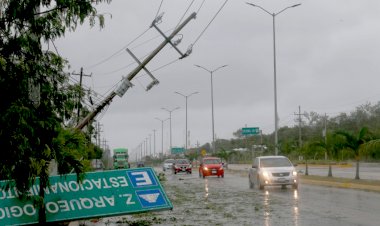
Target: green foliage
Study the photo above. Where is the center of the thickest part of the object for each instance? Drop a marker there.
(36, 97)
(314, 147)
(70, 147)
(224, 154)
(353, 142)
(192, 154)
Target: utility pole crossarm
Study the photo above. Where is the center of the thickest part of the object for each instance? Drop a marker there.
(155, 81)
(126, 81)
(161, 46)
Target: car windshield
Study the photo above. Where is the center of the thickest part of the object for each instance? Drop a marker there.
(181, 161)
(275, 162)
(169, 161)
(211, 161)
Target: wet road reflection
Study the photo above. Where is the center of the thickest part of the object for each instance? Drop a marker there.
(206, 189)
(295, 207)
(230, 201)
(266, 208)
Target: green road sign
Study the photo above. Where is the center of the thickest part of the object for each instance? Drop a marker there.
(178, 150)
(250, 131)
(100, 194)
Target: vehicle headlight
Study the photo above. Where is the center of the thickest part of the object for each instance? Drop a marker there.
(205, 168)
(266, 174)
(294, 173)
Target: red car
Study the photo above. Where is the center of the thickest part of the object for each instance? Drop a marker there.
(211, 166)
(181, 165)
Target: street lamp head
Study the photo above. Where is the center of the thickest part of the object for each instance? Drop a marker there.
(296, 5)
(251, 4)
(169, 110)
(186, 95)
(179, 93)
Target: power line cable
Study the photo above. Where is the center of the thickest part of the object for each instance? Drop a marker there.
(185, 13)
(200, 6)
(159, 68)
(196, 40)
(117, 70)
(159, 8)
(117, 52)
(149, 40)
(134, 62)
(165, 65)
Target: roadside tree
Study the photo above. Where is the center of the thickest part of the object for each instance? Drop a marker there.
(34, 90)
(355, 143)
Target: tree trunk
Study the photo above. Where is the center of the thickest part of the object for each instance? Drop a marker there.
(330, 170)
(357, 169)
(41, 204)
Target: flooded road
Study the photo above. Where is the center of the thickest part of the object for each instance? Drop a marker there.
(229, 201)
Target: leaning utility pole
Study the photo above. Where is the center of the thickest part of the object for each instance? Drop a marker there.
(126, 82)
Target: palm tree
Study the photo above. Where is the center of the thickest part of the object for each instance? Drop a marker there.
(327, 147)
(308, 150)
(225, 155)
(355, 143)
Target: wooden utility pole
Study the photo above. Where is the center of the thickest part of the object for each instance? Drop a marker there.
(126, 81)
(80, 90)
(299, 126)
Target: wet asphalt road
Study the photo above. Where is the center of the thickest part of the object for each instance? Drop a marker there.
(233, 203)
(229, 201)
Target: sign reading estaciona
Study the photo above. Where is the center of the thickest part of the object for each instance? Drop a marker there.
(100, 194)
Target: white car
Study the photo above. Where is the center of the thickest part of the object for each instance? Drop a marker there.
(168, 164)
(272, 170)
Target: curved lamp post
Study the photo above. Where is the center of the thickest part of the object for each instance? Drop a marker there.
(170, 121)
(212, 101)
(274, 69)
(162, 134)
(186, 96)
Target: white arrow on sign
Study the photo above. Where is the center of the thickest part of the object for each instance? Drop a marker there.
(151, 198)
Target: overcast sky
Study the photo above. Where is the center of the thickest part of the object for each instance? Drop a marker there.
(327, 62)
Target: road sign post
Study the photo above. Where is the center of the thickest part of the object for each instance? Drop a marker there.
(250, 131)
(100, 194)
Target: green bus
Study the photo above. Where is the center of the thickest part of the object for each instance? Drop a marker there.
(120, 158)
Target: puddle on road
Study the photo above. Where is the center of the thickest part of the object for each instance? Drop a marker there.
(217, 201)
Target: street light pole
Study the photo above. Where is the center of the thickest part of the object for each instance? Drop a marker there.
(170, 122)
(274, 69)
(162, 134)
(154, 142)
(186, 96)
(212, 101)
